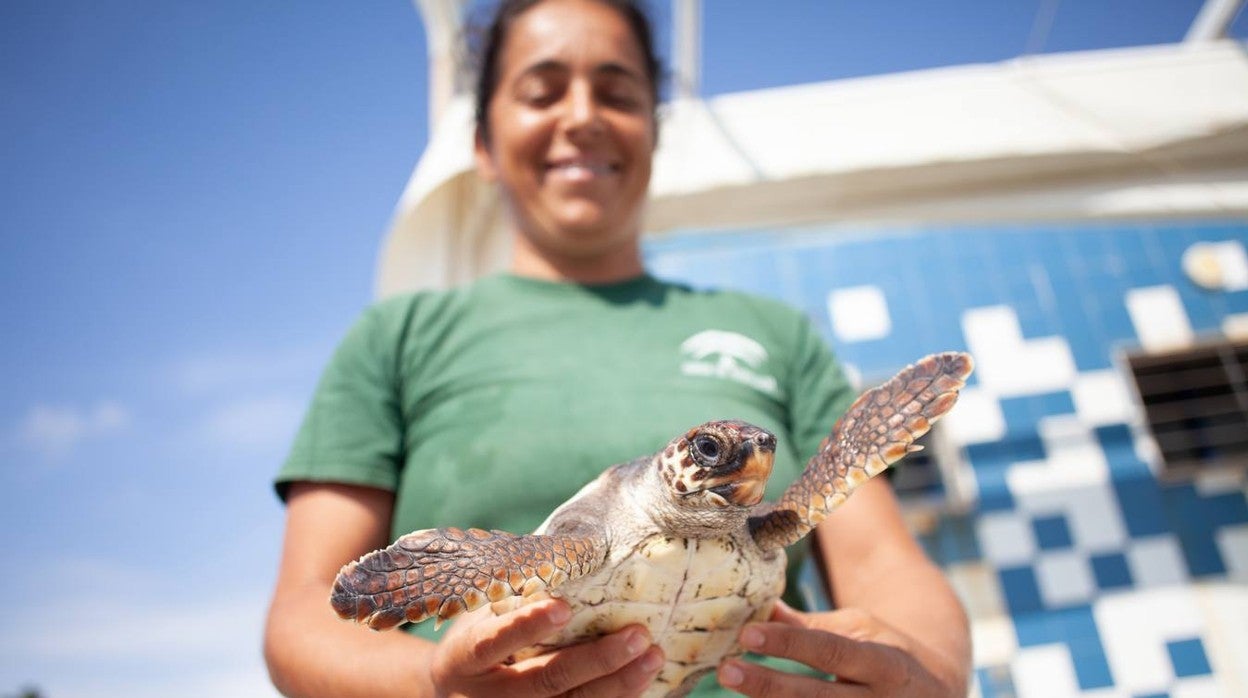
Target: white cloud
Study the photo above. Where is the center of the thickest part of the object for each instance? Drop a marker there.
(210, 682)
(56, 430)
(230, 371)
(254, 423)
(99, 629)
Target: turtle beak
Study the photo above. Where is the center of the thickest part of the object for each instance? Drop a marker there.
(743, 486)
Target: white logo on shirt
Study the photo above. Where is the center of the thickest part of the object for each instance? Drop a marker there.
(730, 355)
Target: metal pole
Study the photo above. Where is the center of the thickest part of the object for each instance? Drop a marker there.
(687, 47)
(444, 22)
(1213, 20)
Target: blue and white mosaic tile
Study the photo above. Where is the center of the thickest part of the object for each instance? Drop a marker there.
(1083, 573)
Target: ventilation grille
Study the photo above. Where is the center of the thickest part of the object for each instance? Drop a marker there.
(1196, 405)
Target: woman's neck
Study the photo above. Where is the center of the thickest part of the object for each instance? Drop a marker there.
(619, 265)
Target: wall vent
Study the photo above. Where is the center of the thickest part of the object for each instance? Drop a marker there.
(1195, 405)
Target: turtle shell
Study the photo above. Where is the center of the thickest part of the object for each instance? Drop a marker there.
(694, 594)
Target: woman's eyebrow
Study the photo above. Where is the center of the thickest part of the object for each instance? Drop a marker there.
(618, 69)
(551, 66)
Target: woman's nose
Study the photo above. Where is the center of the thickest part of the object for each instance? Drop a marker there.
(582, 108)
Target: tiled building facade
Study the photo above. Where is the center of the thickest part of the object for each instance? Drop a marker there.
(1085, 573)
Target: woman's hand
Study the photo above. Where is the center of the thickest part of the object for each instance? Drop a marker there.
(868, 657)
(470, 660)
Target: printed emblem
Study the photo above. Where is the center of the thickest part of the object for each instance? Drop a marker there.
(730, 355)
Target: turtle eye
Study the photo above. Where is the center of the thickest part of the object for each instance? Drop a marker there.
(708, 448)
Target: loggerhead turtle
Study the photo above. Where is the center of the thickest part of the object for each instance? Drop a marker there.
(677, 541)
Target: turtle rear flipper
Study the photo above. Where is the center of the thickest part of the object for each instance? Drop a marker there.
(877, 431)
(443, 572)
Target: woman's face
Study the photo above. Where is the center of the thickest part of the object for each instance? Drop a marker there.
(571, 132)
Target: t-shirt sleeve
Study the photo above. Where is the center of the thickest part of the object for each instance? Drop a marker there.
(821, 391)
(352, 432)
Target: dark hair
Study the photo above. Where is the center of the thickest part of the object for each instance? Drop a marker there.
(506, 13)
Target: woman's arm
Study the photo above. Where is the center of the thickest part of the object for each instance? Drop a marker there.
(898, 630)
(311, 652)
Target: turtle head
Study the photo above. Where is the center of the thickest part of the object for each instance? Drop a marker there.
(717, 465)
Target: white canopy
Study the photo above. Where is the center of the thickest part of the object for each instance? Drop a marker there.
(1159, 131)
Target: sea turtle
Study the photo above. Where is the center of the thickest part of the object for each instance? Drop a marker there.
(678, 541)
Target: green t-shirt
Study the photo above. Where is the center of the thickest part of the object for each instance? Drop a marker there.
(490, 405)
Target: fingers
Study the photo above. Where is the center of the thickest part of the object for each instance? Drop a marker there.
(849, 659)
(615, 664)
(470, 657)
(754, 680)
(493, 639)
(784, 613)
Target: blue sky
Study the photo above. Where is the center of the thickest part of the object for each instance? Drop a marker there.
(193, 198)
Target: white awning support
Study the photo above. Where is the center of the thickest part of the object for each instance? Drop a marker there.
(1213, 20)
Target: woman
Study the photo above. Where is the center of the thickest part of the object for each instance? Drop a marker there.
(487, 406)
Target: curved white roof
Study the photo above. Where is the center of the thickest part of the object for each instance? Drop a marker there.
(1159, 131)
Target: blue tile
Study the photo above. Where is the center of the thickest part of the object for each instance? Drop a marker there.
(1151, 695)
(1115, 323)
(1188, 657)
(1197, 519)
(1061, 625)
(1226, 509)
(1076, 628)
(1142, 506)
(996, 681)
(1111, 571)
(1052, 533)
(1200, 310)
(1022, 443)
(1237, 302)
(1091, 665)
(1118, 444)
(953, 540)
(990, 462)
(1022, 592)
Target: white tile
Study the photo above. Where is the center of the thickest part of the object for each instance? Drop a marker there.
(975, 691)
(1219, 481)
(1159, 318)
(1233, 545)
(1199, 687)
(1095, 519)
(1235, 326)
(859, 313)
(993, 641)
(1065, 578)
(1134, 629)
(1006, 538)
(1045, 671)
(1233, 263)
(977, 418)
(1225, 609)
(1102, 397)
(1218, 266)
(1107, 692)
(1156, 561)
(1073, 458)
(991, 331)
(979, 587)
(1009, 365)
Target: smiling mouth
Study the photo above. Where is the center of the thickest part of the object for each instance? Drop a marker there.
(580, 170)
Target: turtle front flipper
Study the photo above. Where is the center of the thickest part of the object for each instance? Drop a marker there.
(443, 572)
(877, 431)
